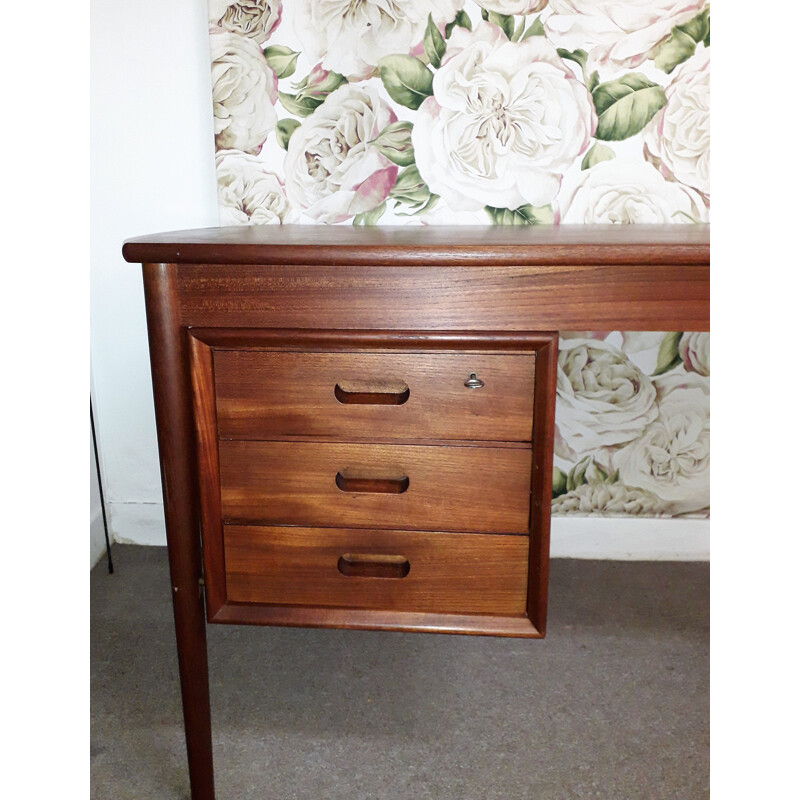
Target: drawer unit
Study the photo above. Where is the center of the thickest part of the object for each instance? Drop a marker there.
(262, 395)
(484, 489)
(403, 571)
(311, 443)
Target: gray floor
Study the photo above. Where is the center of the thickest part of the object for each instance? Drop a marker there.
(613, 704)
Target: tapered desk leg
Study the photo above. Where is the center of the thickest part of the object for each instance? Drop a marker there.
(172, 393)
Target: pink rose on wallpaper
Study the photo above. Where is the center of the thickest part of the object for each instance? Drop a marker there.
(351, 37)
(244, 89)
(671, 458)
(615, 33)
(695, 352)
(332, 171)
(249, 194)
(678, 139)
(505, 121)
(603, 400)
(625, 191)
(255, 19)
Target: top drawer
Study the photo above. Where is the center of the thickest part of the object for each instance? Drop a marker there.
(264, 394)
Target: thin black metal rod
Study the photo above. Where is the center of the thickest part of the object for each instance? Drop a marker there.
(100, 486)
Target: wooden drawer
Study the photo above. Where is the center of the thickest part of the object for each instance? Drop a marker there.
(383, 486)
(373, 569)
(263, 395)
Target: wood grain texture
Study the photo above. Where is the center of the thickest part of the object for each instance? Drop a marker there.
(368, 619)
(455, 245)
(643, 297)
(544, 412)
(205, 417)
(268, 394)
(169, 359)
(449, 572)
(479, 489)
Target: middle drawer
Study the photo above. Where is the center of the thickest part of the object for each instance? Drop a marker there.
(480, 489)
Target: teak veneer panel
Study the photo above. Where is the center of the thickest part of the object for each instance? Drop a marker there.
(411, 245)
(502, 298)
(481, 489)
(449, 573)
(271, 394)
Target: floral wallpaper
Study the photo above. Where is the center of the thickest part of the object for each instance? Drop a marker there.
(506, 112)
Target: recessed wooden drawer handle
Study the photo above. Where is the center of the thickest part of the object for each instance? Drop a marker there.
(351, 481)
(367, 565)
(371, 394)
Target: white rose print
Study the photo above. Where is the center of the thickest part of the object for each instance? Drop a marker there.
(505, 121)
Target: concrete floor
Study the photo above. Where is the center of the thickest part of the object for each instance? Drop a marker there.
(613, 704)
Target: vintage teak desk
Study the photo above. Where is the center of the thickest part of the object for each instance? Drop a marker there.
(355, 425)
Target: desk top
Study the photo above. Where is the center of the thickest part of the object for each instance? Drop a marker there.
(331, 245)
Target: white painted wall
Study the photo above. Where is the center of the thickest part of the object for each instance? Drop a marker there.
(152, 152)
(152, 145)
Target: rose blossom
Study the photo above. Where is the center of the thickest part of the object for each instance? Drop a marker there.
(505, 121)
(678, 138)
(642, 347)
(610, 499)
(248, 193)
(621, 191)
(694, 350)
(245, 90)
(512, 6)
(602, 398)
(332, 171)
(351, 37)
(255, 19)
(616, 33)
(671, 458)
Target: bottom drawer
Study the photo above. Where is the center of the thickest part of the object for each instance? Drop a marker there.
(404, 571)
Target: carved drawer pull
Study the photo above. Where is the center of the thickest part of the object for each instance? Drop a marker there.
(390, 394)
(356, 481)
(368, 565)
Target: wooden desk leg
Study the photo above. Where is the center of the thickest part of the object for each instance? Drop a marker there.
(172, 393)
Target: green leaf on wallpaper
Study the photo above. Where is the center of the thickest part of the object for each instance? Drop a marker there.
(587, 470)
(370, 217)
(559, 482)
(503, 21)
(598, 152)
(524, 215)
(284, 130)
(680, 45)
(410, 190)
(578, 56)
(299, 107)
(699, 28)
(593, 81)
(536, 29)
(674, 50)
(625, 105)
(517, 35)
(433, 43)
(668, 354)
(462, 20)
(394, 141)
(282, 60)
(407, 80)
